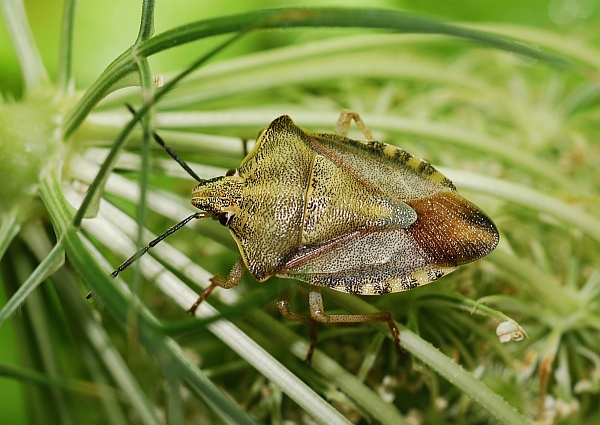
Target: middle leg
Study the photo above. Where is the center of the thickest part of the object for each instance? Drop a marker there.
(317, 312)
(283, 304)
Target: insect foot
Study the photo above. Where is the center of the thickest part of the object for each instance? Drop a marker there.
(233, 279)
(214, 282)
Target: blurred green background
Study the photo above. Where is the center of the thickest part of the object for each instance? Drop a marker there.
(105, 29)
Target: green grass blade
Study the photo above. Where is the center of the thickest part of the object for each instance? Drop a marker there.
(286, 18)
(66, 81)
(497, 407)
(9, 228)
(46, 267)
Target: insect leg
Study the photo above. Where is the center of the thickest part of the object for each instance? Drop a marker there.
(234, 277)
(343, 124)
(245, 147)
(317, 312)
(283, 304)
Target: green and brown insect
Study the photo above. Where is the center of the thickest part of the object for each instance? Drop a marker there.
(360, 217)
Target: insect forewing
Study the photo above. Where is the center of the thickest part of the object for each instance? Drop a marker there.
(390, 170)
(449, 231)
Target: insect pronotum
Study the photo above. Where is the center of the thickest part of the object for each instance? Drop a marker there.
(360, 217)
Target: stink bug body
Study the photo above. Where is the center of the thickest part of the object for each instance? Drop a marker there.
(360, 217)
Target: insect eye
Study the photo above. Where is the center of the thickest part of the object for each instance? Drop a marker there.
(223, 218)
(230, 172)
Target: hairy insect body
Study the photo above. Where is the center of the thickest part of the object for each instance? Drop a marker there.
(359, 217)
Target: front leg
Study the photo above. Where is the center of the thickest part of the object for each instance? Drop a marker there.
(233, 279)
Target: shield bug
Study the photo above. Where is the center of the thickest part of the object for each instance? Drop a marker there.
(360, 217)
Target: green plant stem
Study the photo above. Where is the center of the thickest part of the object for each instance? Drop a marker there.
(9, 228)
(146, 21)
(442, 365)
(32, 376)
(114, 365)
(53, 401)
(541, 286)
(286, 18)
(147, 93)
(48, 265)
(66, 82)
(342, 18)
(94, 191)
(574, 47)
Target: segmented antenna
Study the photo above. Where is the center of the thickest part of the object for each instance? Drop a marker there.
(170, 151)
(172, 229)
(154, 242)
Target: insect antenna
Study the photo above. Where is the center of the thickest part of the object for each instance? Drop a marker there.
(172, 229)
(170, 151)
(154, 242)
(180, 161)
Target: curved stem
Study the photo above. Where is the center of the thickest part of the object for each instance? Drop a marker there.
(146, 22)
(66, 82)
(292, 18)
